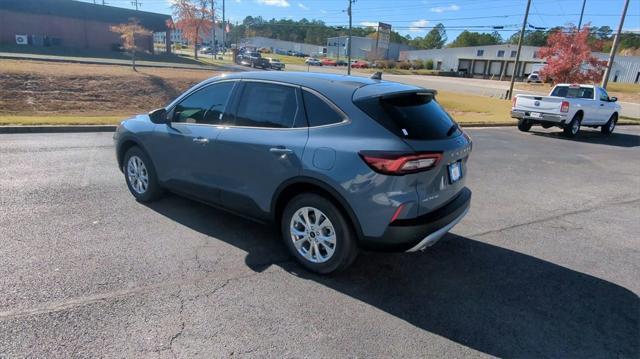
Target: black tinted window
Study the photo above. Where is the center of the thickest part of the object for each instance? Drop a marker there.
(267, 105)
(319, 112)
(204, 106)
(573, 92)
(413, 116)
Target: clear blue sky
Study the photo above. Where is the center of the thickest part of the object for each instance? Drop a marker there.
(405, 15)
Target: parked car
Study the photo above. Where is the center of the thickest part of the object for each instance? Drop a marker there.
(379, 165)
(253, 59)
(359, 64)
(275, 64)
(341, 63)
(534, 77)
(312, 61)
(568, 106)
(328, 62)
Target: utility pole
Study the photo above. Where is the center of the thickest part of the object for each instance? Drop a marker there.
(515, 64)
(584, 2)
(224, 29)
(349, 45)
(614, 48)
(213, 29)
(134, 3)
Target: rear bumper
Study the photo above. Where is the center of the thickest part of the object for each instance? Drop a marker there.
(424, 231)
(544, 117)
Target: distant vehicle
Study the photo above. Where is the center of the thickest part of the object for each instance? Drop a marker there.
(296, 54)
(341, 63)
(336, 162)
(275, 64)
(328, 62)
(312, 61)
(568, 107)
(534, 77)
(359, 64)
(281, 52)
(253, 59)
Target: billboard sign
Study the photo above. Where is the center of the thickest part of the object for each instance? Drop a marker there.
(384, 35)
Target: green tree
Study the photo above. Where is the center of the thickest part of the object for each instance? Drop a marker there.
(436, 38)
(468, 38)
(531, 38)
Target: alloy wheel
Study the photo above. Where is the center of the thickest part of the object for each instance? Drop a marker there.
(313, 234)
(137, 174)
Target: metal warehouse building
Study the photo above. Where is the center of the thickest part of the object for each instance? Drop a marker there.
(72, 24)
(275, 44)
(363, 48)
(497, 61)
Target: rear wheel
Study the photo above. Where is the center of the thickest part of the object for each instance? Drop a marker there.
(524, 125)
(608, 128)
(572, 129)
(317, 234)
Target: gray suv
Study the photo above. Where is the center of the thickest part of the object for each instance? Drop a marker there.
(338, 162)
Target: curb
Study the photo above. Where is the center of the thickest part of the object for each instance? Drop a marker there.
(57, 129)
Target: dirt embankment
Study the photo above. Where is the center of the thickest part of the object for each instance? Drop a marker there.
(31, 87)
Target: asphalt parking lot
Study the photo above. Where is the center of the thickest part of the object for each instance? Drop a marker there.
(546, 264)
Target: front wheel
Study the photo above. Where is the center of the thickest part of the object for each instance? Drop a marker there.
(141, 176)
(317, 234)
(572, 129)
(608, 128)
(524, 125)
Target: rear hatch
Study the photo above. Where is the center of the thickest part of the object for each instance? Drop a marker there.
(545, 104)
(418, 119)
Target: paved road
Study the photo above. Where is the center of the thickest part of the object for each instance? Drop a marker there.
(545, 265)
(491, 88)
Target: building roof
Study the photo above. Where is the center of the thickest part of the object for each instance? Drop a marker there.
(87, 11)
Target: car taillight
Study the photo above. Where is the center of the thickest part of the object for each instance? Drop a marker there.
(564, 107)
(513, 101)
(394, 163)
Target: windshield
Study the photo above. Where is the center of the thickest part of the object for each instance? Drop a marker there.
(412, 116)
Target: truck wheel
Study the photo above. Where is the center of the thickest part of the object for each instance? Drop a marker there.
(572, 129)
(524, 125)
(608, 128)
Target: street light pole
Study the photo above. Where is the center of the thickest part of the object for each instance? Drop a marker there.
(515, 64)
(224, 29)
(614, 47)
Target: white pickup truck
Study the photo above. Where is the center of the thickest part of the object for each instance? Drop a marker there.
(568, 107)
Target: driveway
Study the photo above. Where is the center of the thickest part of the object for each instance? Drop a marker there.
(545, 265)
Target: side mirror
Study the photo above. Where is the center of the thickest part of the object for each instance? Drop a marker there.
(159, 116)
(613, 99)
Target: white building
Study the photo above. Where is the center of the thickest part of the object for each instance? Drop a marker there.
(177, 38)
(279, 46)
(497, 61)
(364, 48)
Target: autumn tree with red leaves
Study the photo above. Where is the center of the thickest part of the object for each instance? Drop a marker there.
(569, 58)
(193, 17)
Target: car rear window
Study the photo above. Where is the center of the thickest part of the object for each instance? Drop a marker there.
(411, 115)
(573, 92)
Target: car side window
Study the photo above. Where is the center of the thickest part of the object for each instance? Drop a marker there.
(205, 106)
(267, 105)
(604, 96)
(319, 112)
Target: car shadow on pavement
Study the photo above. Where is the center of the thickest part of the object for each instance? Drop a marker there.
(592, 136)
(491, 299)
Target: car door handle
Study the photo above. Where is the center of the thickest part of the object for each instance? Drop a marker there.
(201, 140)
(280, 150)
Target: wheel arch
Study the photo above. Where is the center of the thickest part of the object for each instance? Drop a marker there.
(580, 114)
(124, 146)
(292, 187)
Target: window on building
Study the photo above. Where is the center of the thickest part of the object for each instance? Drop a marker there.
(536, 55)
(500, 53)
(513, 53)
(480, 53)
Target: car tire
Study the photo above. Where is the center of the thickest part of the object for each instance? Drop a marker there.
(608, 127)
(524, 125)
(140, 176)
(572, 129)
(310, 221)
